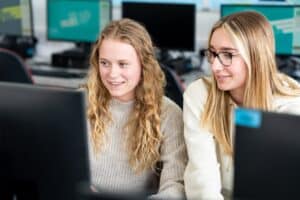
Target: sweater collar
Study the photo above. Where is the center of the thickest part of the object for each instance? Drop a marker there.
(122, 104)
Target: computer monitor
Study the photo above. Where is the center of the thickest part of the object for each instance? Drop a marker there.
(43, 143)
(16, 27)
(266, 155)
(16, 18)
(78, 21)
(284, 19)
(171, 25)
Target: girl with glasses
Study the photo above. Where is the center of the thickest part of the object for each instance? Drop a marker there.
(244, 73)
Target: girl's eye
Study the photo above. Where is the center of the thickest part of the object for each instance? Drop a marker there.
(104, 64)
(227, 55)
(123, 65)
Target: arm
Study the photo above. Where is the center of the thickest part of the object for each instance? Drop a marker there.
(202, 175)
(173, 155)
(290, 106)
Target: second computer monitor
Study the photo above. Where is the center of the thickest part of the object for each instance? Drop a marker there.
(284, 19)
(16, 18)
(77, 20)
(171, 25)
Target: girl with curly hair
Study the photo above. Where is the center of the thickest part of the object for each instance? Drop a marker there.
(136, 135)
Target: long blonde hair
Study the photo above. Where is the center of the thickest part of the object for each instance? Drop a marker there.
(252, 35)
(143, 135)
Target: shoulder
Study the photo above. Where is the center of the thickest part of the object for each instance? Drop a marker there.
(169, 107)
(197, 92)
(288, 104)
(198, 86)
(171, 118)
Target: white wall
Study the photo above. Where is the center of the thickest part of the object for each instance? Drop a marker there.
(205, 20)
(39, 16)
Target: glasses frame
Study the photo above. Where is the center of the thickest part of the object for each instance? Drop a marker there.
(208, 53)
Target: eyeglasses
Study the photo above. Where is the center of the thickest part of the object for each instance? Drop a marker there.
(225, 58)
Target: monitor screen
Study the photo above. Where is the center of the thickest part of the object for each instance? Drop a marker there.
(16, 18)
(171, 25)
(77, 20)
(285, 20)
(43, 143)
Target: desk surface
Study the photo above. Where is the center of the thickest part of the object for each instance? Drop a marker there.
(46, 75)
(58, 82)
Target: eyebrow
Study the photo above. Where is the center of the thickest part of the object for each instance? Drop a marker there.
(104, 59)
(123, 60)
(224, 48)
(107, 60)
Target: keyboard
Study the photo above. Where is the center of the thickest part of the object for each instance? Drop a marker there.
(76, 53)
(51, 71)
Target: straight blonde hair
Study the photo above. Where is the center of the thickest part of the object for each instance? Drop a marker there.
(252, 34)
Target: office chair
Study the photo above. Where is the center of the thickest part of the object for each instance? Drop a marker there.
(174, 88)
(13, 68)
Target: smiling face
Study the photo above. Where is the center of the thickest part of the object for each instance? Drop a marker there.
(232, 77)
(120, 69)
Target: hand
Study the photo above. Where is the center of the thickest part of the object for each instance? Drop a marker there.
(93, 188)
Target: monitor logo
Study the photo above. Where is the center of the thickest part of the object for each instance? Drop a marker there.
(75, 19)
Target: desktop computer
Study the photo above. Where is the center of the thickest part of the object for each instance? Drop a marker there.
(77, 21)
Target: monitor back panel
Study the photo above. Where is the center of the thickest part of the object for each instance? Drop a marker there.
(43, 142)
(267, 157)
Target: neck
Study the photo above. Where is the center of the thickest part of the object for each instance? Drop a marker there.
(237, 96)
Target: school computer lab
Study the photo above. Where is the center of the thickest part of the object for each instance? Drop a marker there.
(45, 48)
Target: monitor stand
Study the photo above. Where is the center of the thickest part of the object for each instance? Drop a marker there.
(77, 57)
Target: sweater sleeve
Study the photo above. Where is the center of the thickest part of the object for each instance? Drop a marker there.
(202, 175)
(291, 106)
(173, 154)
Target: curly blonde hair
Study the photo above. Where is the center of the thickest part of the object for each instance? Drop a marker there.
(252, 34)
(143, 127)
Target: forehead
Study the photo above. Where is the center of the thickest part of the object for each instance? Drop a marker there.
(221, 39)
(116, 48)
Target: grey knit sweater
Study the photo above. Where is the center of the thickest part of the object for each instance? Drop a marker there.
(110, 169)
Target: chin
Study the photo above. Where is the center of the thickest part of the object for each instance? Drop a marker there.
(224, 87)
(115, 94)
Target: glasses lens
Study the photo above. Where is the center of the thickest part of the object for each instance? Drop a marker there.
(210, 56)
(225, 58)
